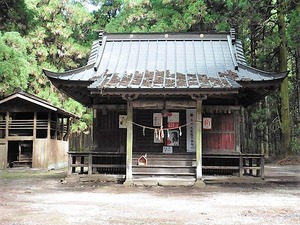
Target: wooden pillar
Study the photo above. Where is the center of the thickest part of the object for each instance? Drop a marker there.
(49, 126)
(237, 130)
(4, 145)
(129, 142)
(68, 129)
(5, 154)
(35, 159)
(56, 126)
(199, 179)
(62, 127)
(7, 126)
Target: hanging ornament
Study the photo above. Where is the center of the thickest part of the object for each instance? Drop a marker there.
(161, 132)
(156, 134)
(168, 133)
(180, 132)
(144, 131)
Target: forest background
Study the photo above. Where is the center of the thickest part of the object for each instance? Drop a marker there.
(57, 35)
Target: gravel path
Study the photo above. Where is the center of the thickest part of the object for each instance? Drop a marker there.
(43, 199)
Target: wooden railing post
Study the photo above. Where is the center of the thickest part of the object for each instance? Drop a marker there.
(69, 164)
(82, 163)
(241, 165)
(90, 166)
(262, 166)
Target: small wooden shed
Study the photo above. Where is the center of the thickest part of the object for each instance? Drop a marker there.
(33, 132)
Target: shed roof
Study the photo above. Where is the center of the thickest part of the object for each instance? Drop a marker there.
(36, 101)
(163, 62)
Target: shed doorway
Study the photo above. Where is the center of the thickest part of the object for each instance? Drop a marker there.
(19, 153)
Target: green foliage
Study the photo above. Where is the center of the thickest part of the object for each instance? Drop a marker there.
(260, 118)
(59, 40)
(14, 65)
(15, 16)
(57, 35)
(157, 16)
(62, 31)
(293, 28)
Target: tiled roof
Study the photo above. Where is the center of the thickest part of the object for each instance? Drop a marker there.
(185, 60)
(176, 61)
(159, 63)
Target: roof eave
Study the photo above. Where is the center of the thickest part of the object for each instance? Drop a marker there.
(163, 91)
(280, 75)
(35, 100)
(60, 75)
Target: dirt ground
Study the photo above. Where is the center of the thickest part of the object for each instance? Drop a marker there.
(39, 197)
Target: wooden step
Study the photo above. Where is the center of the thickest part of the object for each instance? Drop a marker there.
(167, 159)
(179, 163)
(165, 156)
(163, 169)
(164, 181)
(169, 168)
(23, 163)
(160, 176)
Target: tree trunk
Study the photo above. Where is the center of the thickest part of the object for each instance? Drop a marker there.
(297, 108)
(266, 134)
(284, 92)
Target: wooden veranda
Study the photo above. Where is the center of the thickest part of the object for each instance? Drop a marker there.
(181, 166)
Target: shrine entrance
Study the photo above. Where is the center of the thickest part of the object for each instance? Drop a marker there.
(19, 153)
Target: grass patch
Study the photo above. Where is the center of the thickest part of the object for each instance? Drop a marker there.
(12, 174)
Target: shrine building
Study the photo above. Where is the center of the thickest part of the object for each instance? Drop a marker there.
(172, 99)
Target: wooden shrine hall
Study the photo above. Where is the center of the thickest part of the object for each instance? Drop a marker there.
(171, 99)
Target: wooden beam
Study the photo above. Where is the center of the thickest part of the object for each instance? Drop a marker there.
(18, 138)
(160, 104)
(220, 108)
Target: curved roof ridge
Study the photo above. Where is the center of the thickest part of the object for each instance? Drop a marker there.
(69, 72)
(274, 75)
